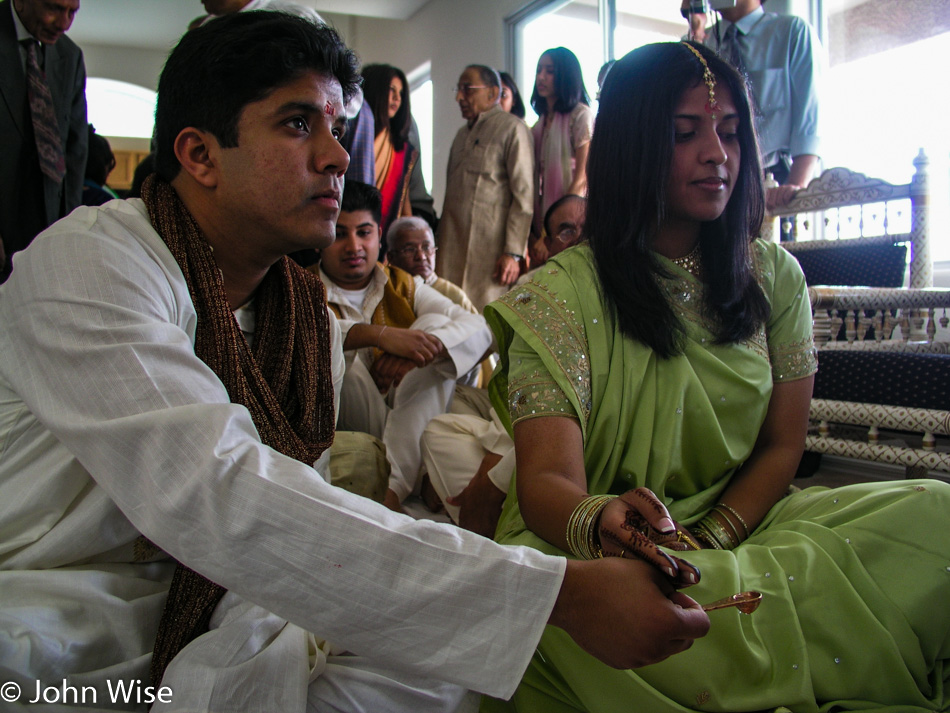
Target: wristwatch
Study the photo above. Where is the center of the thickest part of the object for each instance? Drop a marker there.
(694, 7)
(516, 256)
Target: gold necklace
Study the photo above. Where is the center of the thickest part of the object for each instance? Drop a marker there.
(691, 262)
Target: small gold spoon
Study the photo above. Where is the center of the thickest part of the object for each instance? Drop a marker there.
(745, 602)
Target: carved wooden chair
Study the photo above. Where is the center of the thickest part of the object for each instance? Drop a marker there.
(882, 392)
(848, 229)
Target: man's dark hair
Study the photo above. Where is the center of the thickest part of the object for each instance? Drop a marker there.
(488, 74)
(629, 165)
(376, 81)
(557, 204)
(100, 160)
(568, 83)
(145, 169)
(362, 196)
(219, 68)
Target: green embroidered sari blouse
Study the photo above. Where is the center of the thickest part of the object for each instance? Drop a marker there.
(679, 426)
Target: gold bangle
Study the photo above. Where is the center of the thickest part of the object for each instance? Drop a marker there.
(717, 532)
(380, 335)
(722, 536)
(728, 521)
(581, 532)
(742, 522)
(728, 541)
(703, 533)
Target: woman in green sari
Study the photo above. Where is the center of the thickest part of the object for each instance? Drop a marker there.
(674, 353)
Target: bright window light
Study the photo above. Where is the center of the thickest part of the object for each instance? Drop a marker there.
(880, 110)
(119, 108)
(422, 112)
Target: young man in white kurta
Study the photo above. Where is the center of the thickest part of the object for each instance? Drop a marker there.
(399, 417)
(112, 430)
(111, 427)
(356, 285)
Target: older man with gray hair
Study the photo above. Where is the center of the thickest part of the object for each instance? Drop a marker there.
(489, 192)
(413, 249)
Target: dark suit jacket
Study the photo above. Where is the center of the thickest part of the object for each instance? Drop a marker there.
(29, 201)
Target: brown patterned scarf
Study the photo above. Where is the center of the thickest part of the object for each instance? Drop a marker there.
(286, 383)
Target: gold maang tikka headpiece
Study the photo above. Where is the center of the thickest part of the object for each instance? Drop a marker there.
(709, 79)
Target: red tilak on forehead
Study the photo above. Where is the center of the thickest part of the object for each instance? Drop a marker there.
(329, 109)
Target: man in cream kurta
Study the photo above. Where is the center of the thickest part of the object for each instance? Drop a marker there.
(113, 430)
(489, 196)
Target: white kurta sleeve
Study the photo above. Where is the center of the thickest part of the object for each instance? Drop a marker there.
(466, 336)
(337, 363)
(96, 337)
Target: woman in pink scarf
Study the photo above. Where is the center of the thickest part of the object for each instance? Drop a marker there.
(561, 136)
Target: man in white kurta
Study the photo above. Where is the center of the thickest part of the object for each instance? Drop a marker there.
(489, 195)
(356, 287)
(121, 449)
(111, 427)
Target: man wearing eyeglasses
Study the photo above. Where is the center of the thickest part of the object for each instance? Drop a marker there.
(412, 248)
(563, 227)
(486, 216)
(473, 440)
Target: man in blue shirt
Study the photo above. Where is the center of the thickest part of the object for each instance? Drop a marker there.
(783, 59)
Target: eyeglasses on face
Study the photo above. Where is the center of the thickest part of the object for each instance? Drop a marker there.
(468, 89)
(411, 250)
(567, 235)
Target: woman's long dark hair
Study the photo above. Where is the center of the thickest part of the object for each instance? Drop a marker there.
(517, 103)
(376, 80)
(568, 83)
(627, 172)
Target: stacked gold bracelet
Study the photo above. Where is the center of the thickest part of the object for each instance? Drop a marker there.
(581, 535)
(722, 506)
(702, 532)
(711, 529)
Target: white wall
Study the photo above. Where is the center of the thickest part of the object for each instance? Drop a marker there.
(126, 64)
(142, 66)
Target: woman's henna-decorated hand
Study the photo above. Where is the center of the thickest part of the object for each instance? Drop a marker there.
(638, 524)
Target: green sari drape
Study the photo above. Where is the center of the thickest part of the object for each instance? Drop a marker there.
(856, 584)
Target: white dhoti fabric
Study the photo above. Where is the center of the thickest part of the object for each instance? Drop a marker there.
(454, 444)
(399, 418)
(246, 644)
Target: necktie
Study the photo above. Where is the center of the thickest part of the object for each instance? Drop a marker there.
(45, 126)
(731, 48)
